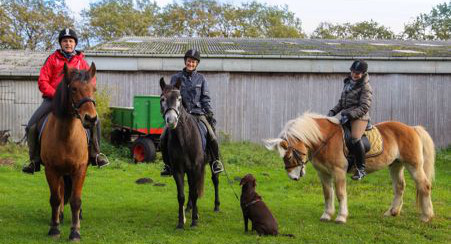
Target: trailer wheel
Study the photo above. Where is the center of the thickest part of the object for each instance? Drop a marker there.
(143, 150)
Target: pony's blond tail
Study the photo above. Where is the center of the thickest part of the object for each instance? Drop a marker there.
(428, 152)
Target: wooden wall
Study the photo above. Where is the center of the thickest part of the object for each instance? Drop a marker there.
(253, 106)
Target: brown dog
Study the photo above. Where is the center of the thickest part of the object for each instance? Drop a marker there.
(255, 209)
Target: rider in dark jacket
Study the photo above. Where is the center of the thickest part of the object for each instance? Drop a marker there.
(196, 101)
(49, 78)
(354, 105)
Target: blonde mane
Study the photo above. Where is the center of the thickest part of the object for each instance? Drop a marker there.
(304, 128)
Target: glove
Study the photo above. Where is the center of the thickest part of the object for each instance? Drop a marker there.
(331, 113)
(210, 118)
(344, 119)
(346, 114)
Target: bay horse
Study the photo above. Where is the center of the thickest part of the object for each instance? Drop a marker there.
(185, 152)
(64, 144)
(319, 139)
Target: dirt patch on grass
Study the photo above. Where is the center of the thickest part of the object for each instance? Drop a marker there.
(6, 162)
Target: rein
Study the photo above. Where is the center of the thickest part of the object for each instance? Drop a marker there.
(76, 106)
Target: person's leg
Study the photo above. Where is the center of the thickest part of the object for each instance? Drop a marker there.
(212, 143)
(357, 129)
(95, 156)
(32, 133)
(164, 153)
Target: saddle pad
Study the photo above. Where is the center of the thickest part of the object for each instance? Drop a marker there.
(375, 139)
(203, 133)
(377, 145)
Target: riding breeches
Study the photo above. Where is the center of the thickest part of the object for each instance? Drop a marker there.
(358, 127)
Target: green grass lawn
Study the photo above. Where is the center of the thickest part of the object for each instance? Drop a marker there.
(117, 210)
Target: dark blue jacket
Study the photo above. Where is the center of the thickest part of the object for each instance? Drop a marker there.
(194, 91)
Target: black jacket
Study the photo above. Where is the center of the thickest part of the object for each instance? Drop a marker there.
(194, 91)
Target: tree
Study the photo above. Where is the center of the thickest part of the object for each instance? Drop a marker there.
(433, 26)
(32, 24)
(358, 31)
(110, 19)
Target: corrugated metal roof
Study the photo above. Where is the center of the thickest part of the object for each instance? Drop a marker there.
(224, 47)
(28, 63)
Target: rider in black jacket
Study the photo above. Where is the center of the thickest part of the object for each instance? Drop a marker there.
(196, 100)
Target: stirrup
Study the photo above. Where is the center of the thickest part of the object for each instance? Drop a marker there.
(104, 157)
(218, 165)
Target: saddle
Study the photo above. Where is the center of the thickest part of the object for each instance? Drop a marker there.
(372, 141)
(41, 125)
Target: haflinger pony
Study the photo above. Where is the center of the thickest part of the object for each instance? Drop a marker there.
(319, 139)
(64, 144)
(185, 151)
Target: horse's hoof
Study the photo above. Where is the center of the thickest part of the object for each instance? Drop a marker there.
(391, 212)
(425, 218)
(325, 217)
(179, 227)
(193, 224)
(216, 209)
(61, 217)
(54, 233)
(340, 220)
(74, 236)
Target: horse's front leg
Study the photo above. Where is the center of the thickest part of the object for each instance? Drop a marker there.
(55, 183)
(328, 192)
(75, 205)
(178, 177)
(215, 179)
(340, 189)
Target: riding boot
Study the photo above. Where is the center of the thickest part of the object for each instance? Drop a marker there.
(95, 156)
(216, 165)
(33, 151)
(164, 153)
(359, 153)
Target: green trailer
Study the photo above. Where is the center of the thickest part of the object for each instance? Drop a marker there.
(140, 125)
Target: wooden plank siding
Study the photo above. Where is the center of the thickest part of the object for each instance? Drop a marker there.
(253, 106)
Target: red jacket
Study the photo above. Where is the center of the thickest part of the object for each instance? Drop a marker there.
(52, 72)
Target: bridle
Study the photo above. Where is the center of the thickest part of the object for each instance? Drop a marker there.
(177, 113)
(76, 105)
(298, 155)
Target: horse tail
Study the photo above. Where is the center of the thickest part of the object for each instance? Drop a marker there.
(428, 152)
(67, 188)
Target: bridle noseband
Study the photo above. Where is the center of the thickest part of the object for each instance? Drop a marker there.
(298, 158)
(76, 105)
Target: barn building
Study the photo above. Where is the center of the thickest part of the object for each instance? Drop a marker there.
(257, 85)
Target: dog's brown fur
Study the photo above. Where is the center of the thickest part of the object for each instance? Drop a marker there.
(255, 209)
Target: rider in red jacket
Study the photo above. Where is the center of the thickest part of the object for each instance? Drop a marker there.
(50, 76)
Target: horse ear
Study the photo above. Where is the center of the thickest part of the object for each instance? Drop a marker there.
(284, 144)
(162, 83)
(178, 84)
(92, 70)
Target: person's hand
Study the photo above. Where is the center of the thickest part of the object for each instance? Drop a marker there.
(344, 119)
(346, 114)
(210, 118)
(331, 113)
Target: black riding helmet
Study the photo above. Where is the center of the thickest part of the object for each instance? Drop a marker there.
(193, 53)
(359, 66)
(67, 33)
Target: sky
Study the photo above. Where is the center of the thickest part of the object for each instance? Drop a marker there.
(390, 13)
